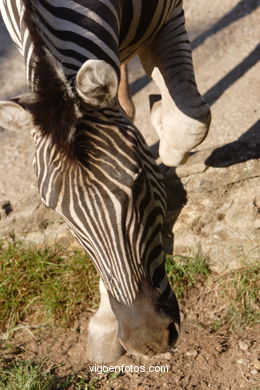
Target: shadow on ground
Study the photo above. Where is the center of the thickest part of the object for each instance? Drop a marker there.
(242, 9)
(246, 147)
(214, 93)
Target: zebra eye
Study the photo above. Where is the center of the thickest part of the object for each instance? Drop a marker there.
(139, 176)
(140, 187)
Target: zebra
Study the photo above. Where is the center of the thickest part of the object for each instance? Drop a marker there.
(92, 164)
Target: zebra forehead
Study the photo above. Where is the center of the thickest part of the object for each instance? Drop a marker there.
(116, 144)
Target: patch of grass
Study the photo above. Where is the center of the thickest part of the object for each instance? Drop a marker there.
(233, 295)
(237, 293)
(74, 382)
(186, 272)
(45, 280)
(54, 285)
(25, 376)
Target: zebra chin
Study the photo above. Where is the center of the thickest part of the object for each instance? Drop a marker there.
(151, 325)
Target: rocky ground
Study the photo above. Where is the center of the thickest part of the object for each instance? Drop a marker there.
(214, 198)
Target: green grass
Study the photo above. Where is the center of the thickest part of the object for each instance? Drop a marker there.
(234, 294)
(47, 281)
(239, 291)
(54, 285)
(25, 376)
(34, 376)
(186, 272)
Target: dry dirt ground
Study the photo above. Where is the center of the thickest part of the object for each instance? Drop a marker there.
(203, 359)
(225, 37)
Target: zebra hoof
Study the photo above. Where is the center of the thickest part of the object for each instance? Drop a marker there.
(103, 345)
(105, 351)
(97, 83)
(172, 157)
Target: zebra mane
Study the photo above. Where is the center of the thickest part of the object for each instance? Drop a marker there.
(54, 106)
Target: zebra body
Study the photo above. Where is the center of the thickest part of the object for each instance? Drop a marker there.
(92, 164)
(75, 31)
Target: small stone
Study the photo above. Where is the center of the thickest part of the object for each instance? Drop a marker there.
(245, 362)
(167, 356)
(242, 345)
(254, 372)
(7, 207)
(193, 353)
(219, 348)
(256, 364)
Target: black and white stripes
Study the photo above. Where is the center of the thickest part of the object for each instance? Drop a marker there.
(175, 63)
(74, 31)
(112, 198)
(109, 188)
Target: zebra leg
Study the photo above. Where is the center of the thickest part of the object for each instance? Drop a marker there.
(124, 94)
(182, 118)
(103, 343)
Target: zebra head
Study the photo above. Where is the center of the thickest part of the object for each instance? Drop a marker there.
(95, 169)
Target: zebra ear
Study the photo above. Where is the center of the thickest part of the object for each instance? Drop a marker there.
(97, 83)
(14, 116)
